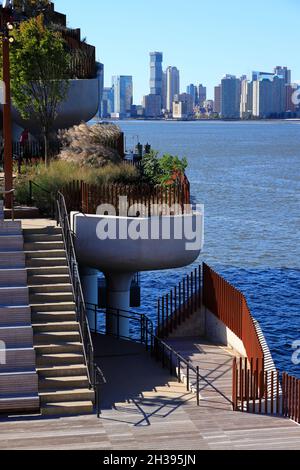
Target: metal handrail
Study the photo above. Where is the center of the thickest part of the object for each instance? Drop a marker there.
(95, 375)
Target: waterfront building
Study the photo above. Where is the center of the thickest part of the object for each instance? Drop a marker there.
(183, 106)
(173, 86)
(230, 97)
(152, 106)
(246, 107)
(123, 95)
(164, 91)
(156, 75)
(201, 95)
(100, 75)
(285, 73)
(217, 100)
(193, 91)
(107, 105)
(292, 99)
(269, 96)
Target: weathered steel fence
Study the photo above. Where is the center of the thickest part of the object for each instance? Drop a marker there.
(142, 200)
(181, 302)
(264, 392)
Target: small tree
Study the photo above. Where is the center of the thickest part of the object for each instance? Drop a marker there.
(39, 72)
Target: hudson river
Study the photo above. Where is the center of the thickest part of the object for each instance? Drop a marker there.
(248, 177)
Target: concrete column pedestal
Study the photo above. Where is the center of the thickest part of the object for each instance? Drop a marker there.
(118, 298)
(89, 282)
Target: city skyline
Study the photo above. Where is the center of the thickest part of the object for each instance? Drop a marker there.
(226, 42)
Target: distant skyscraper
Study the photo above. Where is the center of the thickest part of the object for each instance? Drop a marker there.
(100, 75)
(230, 97)
(107, 107)
(164, 90)
(217, 100)
(152, 106)
(285, 73)
(269, 96)
(173, 86)
(183, 106)
(201, 95)
(123, 95)
(156, 75)
(246, 98)
(193, 91)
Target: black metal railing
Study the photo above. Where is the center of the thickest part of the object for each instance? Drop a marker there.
(95, 376)
(141, 330)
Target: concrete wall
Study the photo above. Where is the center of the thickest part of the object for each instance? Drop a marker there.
(80, 105)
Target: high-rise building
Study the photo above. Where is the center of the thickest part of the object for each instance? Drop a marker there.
(246, 98)
(293, 98)
(173, 86)
(201, 95)
(164, 91)
(107, 106)
(152, 106)
(156, 75)
(230, 97)
(193, 91)
(285, 73)
(123, 95)
(217, 100)
(183, 106)
(269, 96)
(100, 76)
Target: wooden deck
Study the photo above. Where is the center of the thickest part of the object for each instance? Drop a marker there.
(144, 408)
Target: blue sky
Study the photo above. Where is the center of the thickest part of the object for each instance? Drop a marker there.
(204, 38)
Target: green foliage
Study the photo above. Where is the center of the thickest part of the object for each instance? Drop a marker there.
(166, 170)
(59, 173)
(39, 67)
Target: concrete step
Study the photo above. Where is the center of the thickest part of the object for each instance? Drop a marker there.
(67, 409)
(56, 317)
(12, 260)
(43, 246)
(46, 280)
(13, 277)
(51, 230)
(15, 316)
(47, 271)
(10, 228)
(56, 337)
(72, 370)
(19, 383)
(64, 383)
(45, 254)
(50, 288)
(52, 327)
(59, 348)
(58, 396)
(17, 336)
(22, 404)
(14, 296)
(18, 360)
(42, 237)
(11, 243)
(53, 307)
(51, 297)
(44, 262)
(60, 359)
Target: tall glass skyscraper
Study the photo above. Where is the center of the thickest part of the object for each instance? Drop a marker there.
(156, 74)
(123, 94)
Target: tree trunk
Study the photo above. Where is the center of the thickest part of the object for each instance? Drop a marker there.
(47, 162)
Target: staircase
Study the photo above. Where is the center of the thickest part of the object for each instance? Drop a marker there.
(18, 377)
(63, 379)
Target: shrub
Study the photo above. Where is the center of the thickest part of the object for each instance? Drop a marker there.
(90, 146)
(165, 170)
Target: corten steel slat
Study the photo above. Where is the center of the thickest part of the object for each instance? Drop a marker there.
(192, 289)
(257, 378)
(284, 394)
(167, 314)
(242, 384)
(251, 372)
(234, 391)
(199, 287)
(293, 398)
(248, 389)
(184, 300)
(158, 317)
(171, 312)
(163, 317)
(254, 395)
(272, 392)
(188, 295)
(246, 382)
(180, 307)
(175, 308)
(289, 396)
(277, 393)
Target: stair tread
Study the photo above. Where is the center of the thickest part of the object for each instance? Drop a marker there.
(72, 391)
(63, 323)
(68, 367)
(63, 379)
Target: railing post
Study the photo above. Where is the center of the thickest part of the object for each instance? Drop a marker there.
(234, 384)
(198, 387)
(188, 375)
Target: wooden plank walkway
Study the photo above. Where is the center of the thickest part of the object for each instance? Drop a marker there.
(144, 408)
